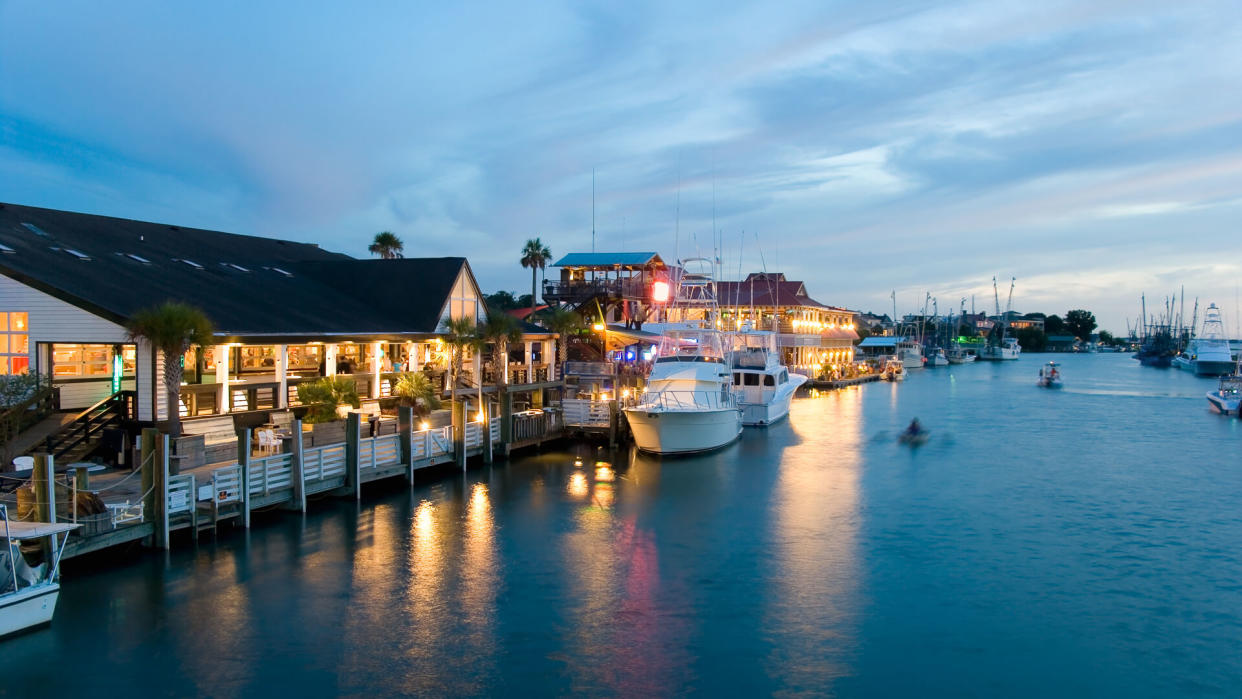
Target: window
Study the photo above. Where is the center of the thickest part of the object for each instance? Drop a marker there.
(83, 361)
(769, 380)
(784, 376)
(737, 378)
(14, 342)
(751, 379)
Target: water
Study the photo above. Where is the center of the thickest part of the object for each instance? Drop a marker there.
(1082, 542)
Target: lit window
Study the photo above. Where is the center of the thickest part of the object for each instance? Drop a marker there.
(14, 343)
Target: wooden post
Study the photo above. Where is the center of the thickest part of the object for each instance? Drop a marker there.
(506, 421)
(243, 460)
(282, 375)
(161, 491)
(459, 432)
(405, 440)
(298, 469)
(485, 430)
(44, 484)
(353, 445)
(612, 422)
(147, 464)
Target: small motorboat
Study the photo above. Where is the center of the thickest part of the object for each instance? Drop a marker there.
(1049, 376)
(894, 370)
(1228, 394)
(28, 592)
(914, 439)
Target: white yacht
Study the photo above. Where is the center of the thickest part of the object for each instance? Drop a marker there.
(936, 357)
(1208, 354)
(28, 594)
(1227, 396)
(689, 405)
(764, 387)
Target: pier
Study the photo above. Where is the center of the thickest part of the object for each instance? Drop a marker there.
(842, 383)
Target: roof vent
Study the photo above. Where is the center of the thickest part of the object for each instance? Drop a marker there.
(6, 249)
(35, 229)
(232, 266)
(191, 263)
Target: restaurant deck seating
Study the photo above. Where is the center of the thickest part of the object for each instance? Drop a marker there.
(219, 437)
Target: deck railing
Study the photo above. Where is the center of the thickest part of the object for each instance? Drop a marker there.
(686, 400)
(320, 463)
(582, 412)
(271, 473)
(374, 452)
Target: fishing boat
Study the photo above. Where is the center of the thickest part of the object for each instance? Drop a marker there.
(28, 593)
(1228, 394)
(689, 404)
(1000, 346)
(763, 386)
(1050, 375)
(1008, 348)
(910, 352)
(936, 357)
(894, 370)
(1208, 353)
(958, 355)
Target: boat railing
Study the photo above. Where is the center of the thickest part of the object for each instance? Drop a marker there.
(686, 400)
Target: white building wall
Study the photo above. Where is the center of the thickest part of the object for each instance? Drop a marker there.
(54, 320)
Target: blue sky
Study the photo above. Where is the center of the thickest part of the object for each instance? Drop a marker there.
(1092, 150)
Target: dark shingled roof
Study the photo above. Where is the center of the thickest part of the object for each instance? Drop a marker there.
(250, 287)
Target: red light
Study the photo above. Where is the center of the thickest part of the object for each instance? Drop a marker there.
(659, 292)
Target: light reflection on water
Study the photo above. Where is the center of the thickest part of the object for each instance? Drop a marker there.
(1042, 544)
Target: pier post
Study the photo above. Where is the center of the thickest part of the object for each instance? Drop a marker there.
(243, 460)
(161, 491)
(459, 433)
(146, 462)
(43, 481)
(486, 429)
(405, 440)
(506, 421)
(353, 445)
(297, 466)
(612, 423)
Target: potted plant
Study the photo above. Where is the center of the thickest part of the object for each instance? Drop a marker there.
(324, 400)
(415, 390)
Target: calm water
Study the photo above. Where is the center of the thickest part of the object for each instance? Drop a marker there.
(1086, 542)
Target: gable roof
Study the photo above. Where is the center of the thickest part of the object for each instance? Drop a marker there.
(249, 286)
(609, 259)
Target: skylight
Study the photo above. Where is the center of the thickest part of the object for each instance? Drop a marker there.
(35, 229)
(6, 249)
(80, 255)
(281, 271)
(135, 258)
(191, 263)
(232, 266)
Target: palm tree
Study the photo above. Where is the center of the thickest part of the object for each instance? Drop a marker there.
(500, 330)
(459, 334)
(535, 255)
(323, 396)
(172, 328)
(562, 322)
(387, 245)
(415, 390)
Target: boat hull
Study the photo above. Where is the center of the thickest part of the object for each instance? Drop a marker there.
(684, 431)
(1206, 367)
(27, 608)
(764, 414)
(1223, 405)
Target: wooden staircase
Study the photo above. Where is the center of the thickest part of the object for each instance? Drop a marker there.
(82, 435)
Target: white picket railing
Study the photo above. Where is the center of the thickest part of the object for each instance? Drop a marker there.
(323, 462)
(581, 412)
(494, 428)
(474, 435)
(374, 452)
(271, 473)
(181, 493)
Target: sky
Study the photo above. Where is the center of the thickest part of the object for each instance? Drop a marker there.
(1090, 150)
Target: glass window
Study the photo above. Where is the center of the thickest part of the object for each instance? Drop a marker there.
(82, 361)
(751, 379)
(737, 378)
(14, 343)
(769, 380)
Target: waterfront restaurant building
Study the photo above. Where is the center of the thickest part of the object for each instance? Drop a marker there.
(284, 313)
(811, 335)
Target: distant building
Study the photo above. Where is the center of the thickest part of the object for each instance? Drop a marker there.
(1061, 343)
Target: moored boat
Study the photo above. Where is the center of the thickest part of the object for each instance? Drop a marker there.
(28, 594)
(1208, 353)
(894, 370)
(936, 357)
(763, 386)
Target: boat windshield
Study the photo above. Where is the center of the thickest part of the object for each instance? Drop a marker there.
(690, 345)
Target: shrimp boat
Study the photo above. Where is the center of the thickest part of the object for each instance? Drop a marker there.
(689, 404)
(28, 593)
(936, 357)
(1049, 376)
(957, 355)
(764, 387)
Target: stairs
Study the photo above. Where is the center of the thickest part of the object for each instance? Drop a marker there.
(83, 433)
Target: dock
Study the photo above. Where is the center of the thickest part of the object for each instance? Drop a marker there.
(842, 383)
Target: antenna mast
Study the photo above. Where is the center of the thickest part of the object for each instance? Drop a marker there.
(592, 209)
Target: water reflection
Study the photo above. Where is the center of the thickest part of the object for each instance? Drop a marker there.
(425, 604)
(812, 611)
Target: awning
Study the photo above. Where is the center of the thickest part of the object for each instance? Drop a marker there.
(620, 336)
(34, 530)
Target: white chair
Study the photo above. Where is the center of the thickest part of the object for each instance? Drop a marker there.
(23, 463)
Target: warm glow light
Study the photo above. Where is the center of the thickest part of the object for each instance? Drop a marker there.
(424, 425)
(604, 473)
(482, 416)
(598, 327)
(603, 396)
(578, 485)
(625, 393)
(659, 292)
(578, 463)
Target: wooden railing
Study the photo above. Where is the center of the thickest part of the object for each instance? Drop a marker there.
(89, 423)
